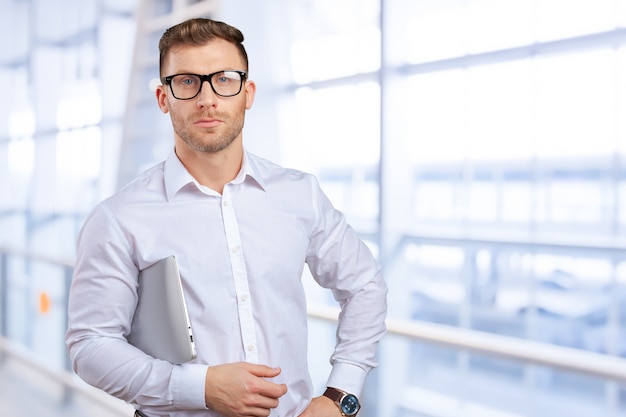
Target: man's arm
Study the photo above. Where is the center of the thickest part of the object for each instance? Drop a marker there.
(102, 300)
(340, 260)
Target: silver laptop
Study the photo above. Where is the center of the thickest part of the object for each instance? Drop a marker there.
(161, 326)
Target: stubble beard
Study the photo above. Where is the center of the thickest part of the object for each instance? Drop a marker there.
(207, 140)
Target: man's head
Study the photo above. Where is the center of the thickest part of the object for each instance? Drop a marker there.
(205, 87)
(197, 32)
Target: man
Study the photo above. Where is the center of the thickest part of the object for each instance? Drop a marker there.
(241, 229)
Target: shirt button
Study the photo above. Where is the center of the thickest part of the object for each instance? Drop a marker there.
(243, 298)
(250, 348)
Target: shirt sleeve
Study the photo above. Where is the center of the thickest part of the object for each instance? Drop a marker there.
(102, 300)
(340, 260)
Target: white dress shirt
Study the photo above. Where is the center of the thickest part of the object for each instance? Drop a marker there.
(241, 256)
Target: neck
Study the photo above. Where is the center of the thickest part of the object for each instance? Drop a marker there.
(213, 170)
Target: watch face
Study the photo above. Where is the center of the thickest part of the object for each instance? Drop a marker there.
(349, 405)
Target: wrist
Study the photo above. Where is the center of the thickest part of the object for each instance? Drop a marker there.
(347, 403)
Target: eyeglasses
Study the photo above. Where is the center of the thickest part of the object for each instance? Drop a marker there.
(188, 86)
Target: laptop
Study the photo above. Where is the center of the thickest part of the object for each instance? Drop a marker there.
(161, 326)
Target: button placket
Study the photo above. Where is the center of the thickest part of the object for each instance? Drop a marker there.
(240, 278)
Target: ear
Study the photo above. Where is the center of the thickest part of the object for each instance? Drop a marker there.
(250, 90)
(161, 96)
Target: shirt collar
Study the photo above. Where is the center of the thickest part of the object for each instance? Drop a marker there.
(176, 176)
(249, 169)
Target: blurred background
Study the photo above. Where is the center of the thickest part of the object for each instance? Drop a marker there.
(478, 146)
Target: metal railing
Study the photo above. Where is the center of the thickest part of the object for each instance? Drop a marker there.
(588, 363)
(527, 351)
(72, 386)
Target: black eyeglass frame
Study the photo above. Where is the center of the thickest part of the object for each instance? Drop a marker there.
(168, 80)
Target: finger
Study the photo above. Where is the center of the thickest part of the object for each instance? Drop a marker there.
(260, 412)
(271, 390)
(257, 405)
(267, 388)
(263, 371)
(261, 401)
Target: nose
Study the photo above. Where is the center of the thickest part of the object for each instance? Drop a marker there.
(206, 96)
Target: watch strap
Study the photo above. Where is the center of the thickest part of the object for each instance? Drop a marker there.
(334, 394)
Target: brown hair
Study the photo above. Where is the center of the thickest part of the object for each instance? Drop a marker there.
(198, 32)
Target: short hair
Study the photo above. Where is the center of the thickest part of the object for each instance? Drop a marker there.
(198, 32)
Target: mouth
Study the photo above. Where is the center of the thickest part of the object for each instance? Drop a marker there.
(207, 123)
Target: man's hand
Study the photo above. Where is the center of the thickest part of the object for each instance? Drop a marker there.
(240, 389)
(321, 407)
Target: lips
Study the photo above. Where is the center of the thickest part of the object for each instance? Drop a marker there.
(208, 123)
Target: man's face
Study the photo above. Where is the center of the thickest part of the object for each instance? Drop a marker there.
(207, 123)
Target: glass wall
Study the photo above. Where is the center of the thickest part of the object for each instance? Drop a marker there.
(64, 67)
(510, 136)
(476, 145)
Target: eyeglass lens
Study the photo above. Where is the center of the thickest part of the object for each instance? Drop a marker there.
(224, 83)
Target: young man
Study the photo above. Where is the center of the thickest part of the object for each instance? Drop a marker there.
(242, 229)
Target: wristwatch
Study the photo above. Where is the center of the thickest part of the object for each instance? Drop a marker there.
(348, 403)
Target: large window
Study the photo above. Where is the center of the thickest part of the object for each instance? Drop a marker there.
(64, 66)
(478, 146)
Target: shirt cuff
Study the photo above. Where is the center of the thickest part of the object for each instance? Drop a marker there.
(188, 386)
(348, 378)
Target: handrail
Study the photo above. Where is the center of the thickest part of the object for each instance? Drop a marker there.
(65, 378)
(590, 363)
(527, 351)
(37, 256)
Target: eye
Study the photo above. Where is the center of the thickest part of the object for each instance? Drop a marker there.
(226, 77)
(187, 81)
